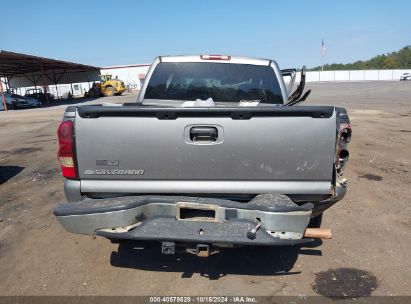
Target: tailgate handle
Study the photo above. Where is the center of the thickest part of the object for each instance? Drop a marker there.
(198, 134)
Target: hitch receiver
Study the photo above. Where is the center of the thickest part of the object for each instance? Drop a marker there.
(202, 250)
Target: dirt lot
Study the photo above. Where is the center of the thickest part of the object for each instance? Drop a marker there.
(369, 254)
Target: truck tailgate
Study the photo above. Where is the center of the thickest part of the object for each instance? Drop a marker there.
(257, 150)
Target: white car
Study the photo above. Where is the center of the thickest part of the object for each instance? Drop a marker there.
(405, 76)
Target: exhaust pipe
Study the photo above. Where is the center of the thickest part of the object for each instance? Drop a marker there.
(318, 233)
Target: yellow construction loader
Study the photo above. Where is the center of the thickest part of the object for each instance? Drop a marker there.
(107, 87)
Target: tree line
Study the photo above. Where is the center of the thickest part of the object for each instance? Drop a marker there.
(394, 60)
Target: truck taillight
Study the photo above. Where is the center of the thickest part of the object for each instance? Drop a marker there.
(345, 133)
(65, 153)
(344, 137)
(215, 57)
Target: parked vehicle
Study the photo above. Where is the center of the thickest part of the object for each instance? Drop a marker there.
(1, 105)
(405, 76)
(214, 153)
(21, 102)
(38, 94)
(15, 101)
(9, 102)
(34, 103)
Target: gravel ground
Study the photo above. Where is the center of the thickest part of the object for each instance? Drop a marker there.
(369, 253)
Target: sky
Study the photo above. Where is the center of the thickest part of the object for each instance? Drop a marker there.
(105, 33)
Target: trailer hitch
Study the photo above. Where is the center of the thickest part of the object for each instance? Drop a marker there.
(202, 250)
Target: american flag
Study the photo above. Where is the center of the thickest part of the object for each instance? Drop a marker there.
(323, 49)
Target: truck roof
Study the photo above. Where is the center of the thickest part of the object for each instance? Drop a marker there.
(215, 59)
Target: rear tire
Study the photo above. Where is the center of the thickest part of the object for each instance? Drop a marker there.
(109, 91)
(315, 222)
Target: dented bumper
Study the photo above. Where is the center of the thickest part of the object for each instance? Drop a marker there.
(269, 219)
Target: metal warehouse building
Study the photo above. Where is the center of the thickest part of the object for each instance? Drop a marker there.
(132, 75)
(21, 72)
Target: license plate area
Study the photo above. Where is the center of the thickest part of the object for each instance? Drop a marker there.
(196, 212)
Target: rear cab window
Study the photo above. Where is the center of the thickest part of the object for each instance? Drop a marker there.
(223, 83)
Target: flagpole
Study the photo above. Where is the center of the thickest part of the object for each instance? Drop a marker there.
(322, 54)
(322, 62)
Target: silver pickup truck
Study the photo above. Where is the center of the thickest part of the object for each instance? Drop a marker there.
(214, 153)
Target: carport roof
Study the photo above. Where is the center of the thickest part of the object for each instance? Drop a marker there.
(12, 64)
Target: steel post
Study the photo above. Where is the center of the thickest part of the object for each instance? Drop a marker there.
(44, 84)
(3, 97)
